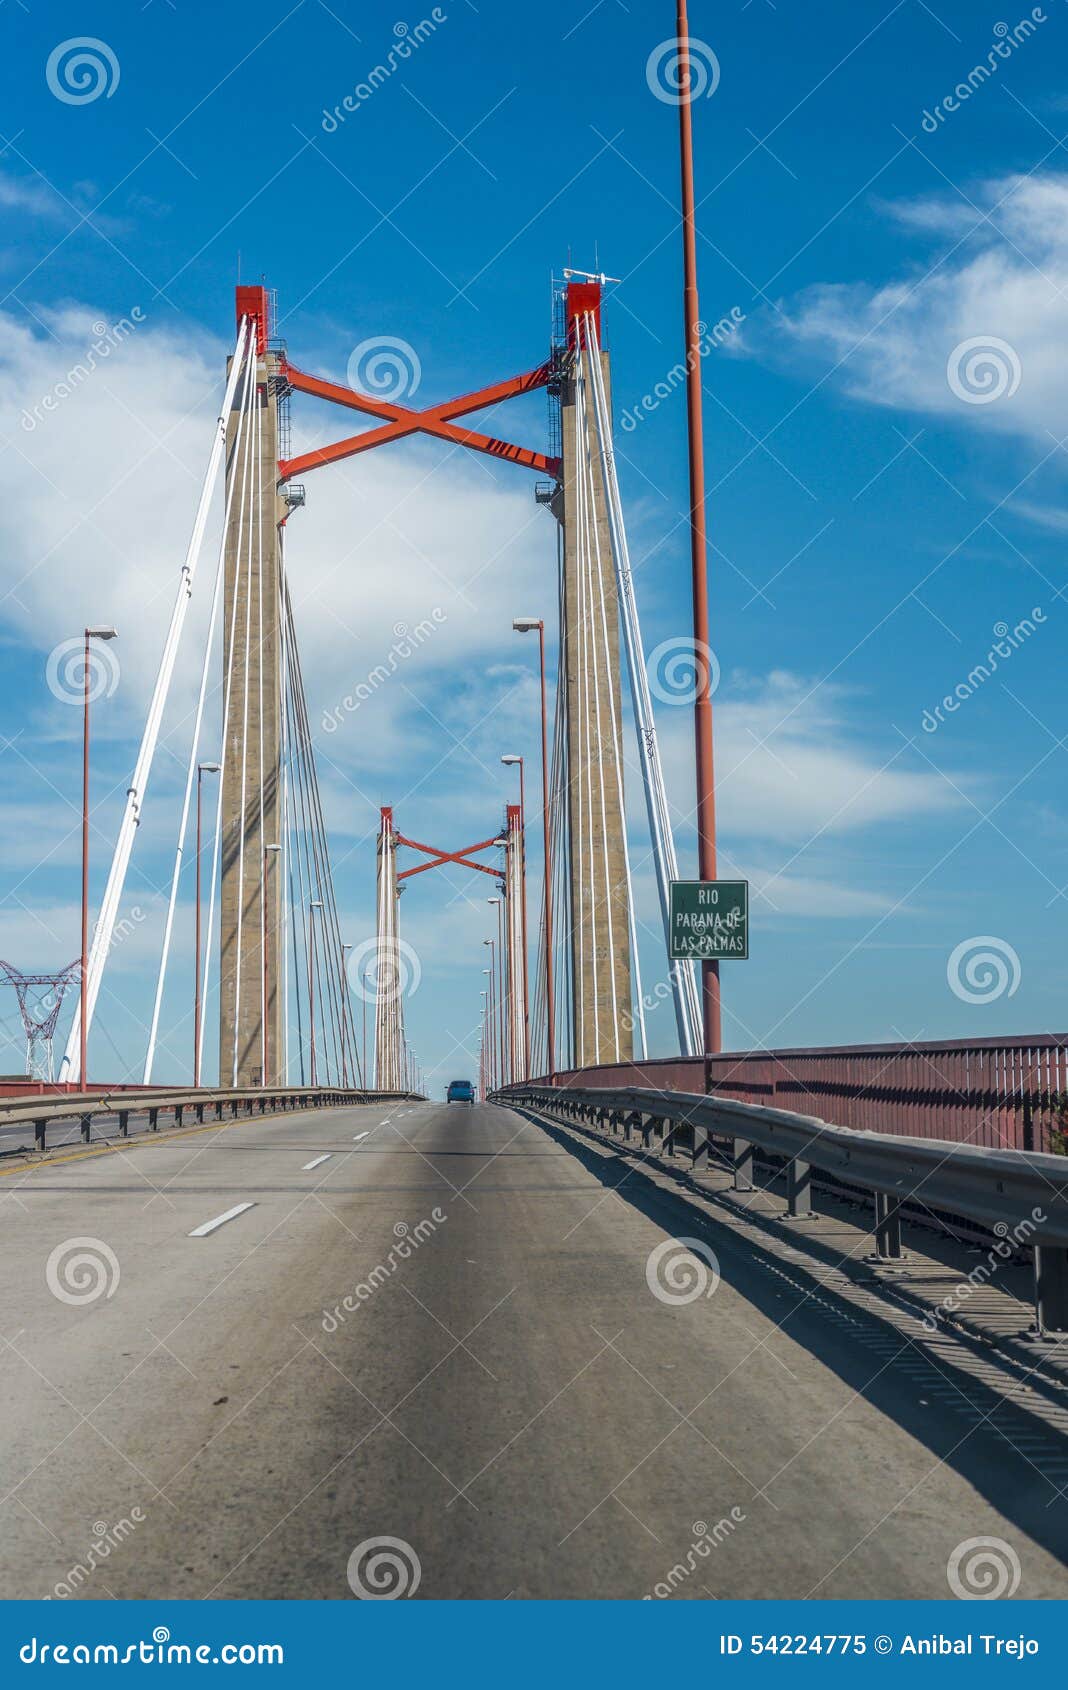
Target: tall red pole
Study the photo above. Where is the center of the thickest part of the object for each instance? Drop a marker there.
(550, 1003)
(706, 800)
(266, 1070)
(196, 964)
(83, 1079)
(344, 1020)
(492, 943)
(311, 985)
(501, 990)
(523, 893)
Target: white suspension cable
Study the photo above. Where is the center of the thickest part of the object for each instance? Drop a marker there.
(238, 951)
(284, 762)
(592, 552)
(683, 979)
(594, 359)
(135, 797)
(230, 648)
(194, 749)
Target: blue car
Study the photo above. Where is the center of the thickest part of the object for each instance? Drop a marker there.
(460, 1091)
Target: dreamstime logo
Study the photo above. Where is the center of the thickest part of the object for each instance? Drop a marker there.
(705, 1539)
(382, 1569)
(663, 72)
(384, 368)
(106, 337)
(382, 973)
(681, 1270)
(409, 1239)
(81, 1270)
(1010, 1241)
(983, 969)
(983, 369)
(407, 38)
(81, 69)
(1003, 47)
(65, 671)
(406, 642)
(720, 334)
(105, 1539)
(1007, 641)
(983, 1569)
(676, 670)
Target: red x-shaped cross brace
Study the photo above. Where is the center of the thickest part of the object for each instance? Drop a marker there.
(400, 420)
(462, 857)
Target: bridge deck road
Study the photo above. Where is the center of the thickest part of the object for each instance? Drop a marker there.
(509, 1398)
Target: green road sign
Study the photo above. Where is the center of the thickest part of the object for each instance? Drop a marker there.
(709, 920)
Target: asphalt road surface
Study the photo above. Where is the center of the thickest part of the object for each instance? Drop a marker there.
(515, 1394)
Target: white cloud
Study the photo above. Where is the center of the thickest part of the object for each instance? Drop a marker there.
(1003, 275)
(789, 766)
(97, 496)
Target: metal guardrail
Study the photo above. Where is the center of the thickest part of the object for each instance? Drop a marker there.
(185, 1105)
(1015, 1193)
(1010, 1093)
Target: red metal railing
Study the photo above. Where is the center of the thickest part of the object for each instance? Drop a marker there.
(1004, 1093)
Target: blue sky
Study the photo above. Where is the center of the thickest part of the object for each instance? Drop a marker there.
(875, 517)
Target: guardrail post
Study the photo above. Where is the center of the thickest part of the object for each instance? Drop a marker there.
(200, 1114)
(887, 1229)
(1051, 1288)
(179, 1112)
(153, 1120)
(742, 1163)
(124, 1123)
(86, 1128)
(798, 1189)
(39, 1130)
(218, 1108)
(700, 1146)
(648, 1125)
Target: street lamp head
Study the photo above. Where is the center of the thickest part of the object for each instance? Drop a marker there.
(208, 768)
(316, 904)
(527, 624)
(101, 633)
(511, 758)
(272, 848)
(493, 900)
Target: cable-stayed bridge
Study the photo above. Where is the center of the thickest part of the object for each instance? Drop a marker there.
(813, 1302)
(270, 949)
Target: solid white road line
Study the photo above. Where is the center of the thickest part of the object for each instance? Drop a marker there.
(317, 1161)
(220, 1220)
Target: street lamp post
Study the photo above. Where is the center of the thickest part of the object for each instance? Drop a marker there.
(526, 625)
(345, 1018)
(492, 972)
(363, 995)
(202, 770)
(315, 904)
(268, 850)
(706, 796)
(510, 759)
(502, 996)
(90, 634)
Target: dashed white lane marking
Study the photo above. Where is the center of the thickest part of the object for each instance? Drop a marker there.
(358, 1137)
(317, 1161)
(220, 1220)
